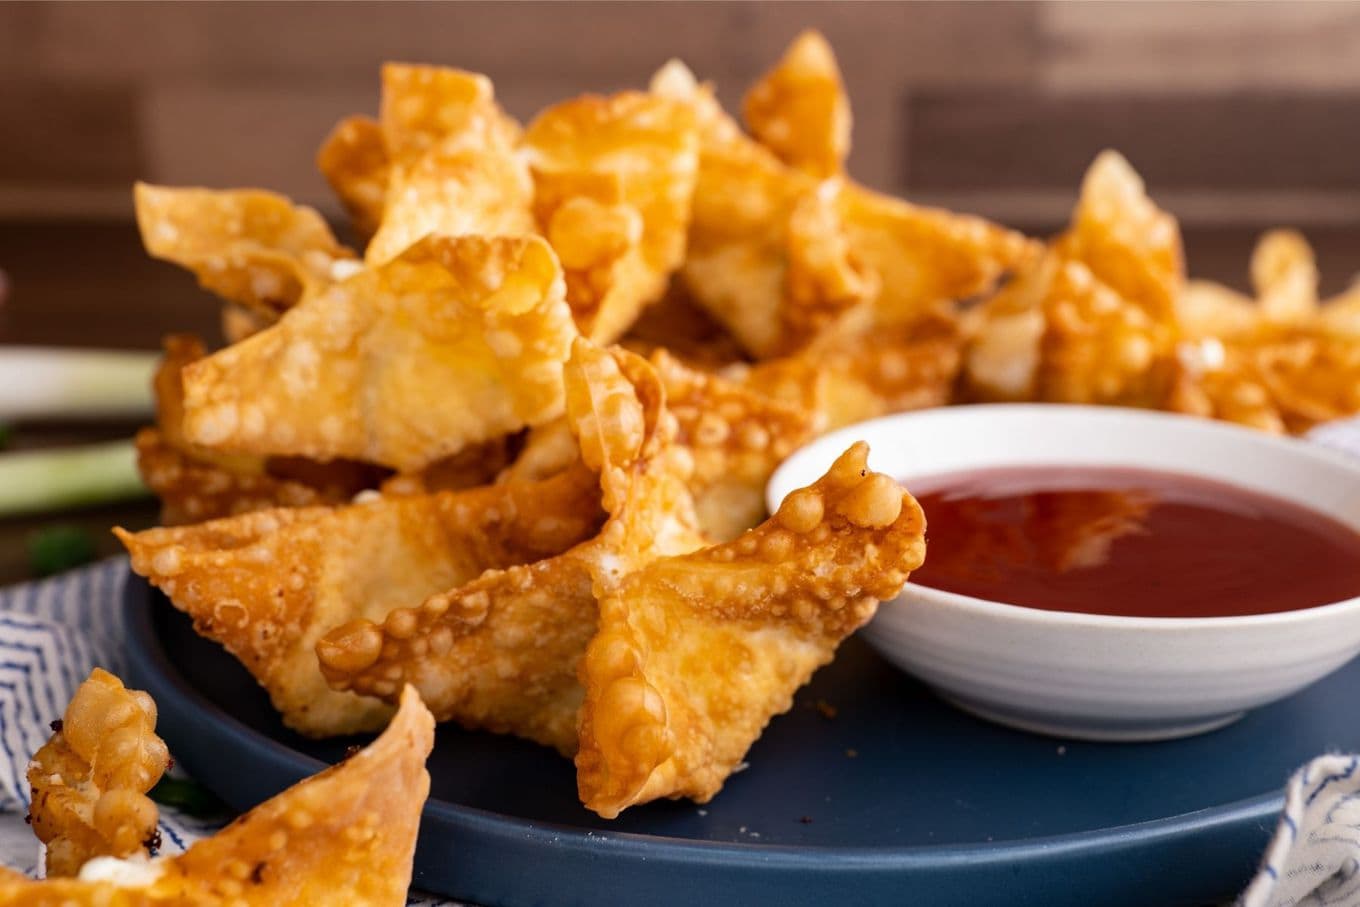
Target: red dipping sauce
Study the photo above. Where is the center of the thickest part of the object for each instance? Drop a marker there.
(1130, 542)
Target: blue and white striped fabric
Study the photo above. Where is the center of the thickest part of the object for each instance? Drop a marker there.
(1314, 858)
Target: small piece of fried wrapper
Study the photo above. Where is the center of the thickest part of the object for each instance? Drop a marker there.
(799, 109)
(453, 169)
(458, 341)
(501, 652)
(250, 247)
(345, 836)
(267, 585)
(353, 158)
(90, 780)
(613, 181)
(696, 653)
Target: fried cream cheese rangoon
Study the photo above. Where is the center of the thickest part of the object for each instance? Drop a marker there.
(760, 614)
(1282, 362)
(784, 249)
(457, 341)
(500, 652)
(613, 180)
(509, 651)
(90, 780)
(1092, 319)
(268, 584)
(343, 837)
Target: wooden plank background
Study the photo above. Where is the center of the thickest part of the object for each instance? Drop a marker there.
(1239, 113)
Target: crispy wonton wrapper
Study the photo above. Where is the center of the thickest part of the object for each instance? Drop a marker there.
(344, 836)
(266, 585)
(90, 780)
(452, 166)
(842, 379)
(1093, 319)
(613, 180)
(767, 254)
(195, 483)
(353, 159)
(250, 247)
(733, 437)
(781, 257)
(1283, 362)
(458, 341)
(800, 111)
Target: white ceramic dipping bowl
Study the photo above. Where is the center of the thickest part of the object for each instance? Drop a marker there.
(1093, 676)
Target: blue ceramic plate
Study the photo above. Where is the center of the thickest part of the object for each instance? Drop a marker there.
(869, 791)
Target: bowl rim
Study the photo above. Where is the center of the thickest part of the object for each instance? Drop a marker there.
(837, 440)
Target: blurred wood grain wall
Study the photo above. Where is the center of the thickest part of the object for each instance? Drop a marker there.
(1237, 113)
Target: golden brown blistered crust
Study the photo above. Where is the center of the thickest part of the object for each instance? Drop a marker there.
(846, 378)
(1283, 362)
(250, 247)
(266, 585)
(923, 257)
(452, 166)
(767, 256)
(1129, 244)
(799, 109)
(195, 483)
(613, 181)
(696, 653)
(367, 369)
(1092, 319)
(90, 780)
(731, 436)
(346, 836)
(781, 257)
(353, 159)
(735, 437)
(501, 652)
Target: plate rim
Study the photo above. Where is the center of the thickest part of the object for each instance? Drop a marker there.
(145, 650)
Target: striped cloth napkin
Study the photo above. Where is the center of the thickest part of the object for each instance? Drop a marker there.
(53, 632)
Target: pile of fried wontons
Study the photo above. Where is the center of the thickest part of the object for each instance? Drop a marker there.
(345, 836)
(514, 452)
